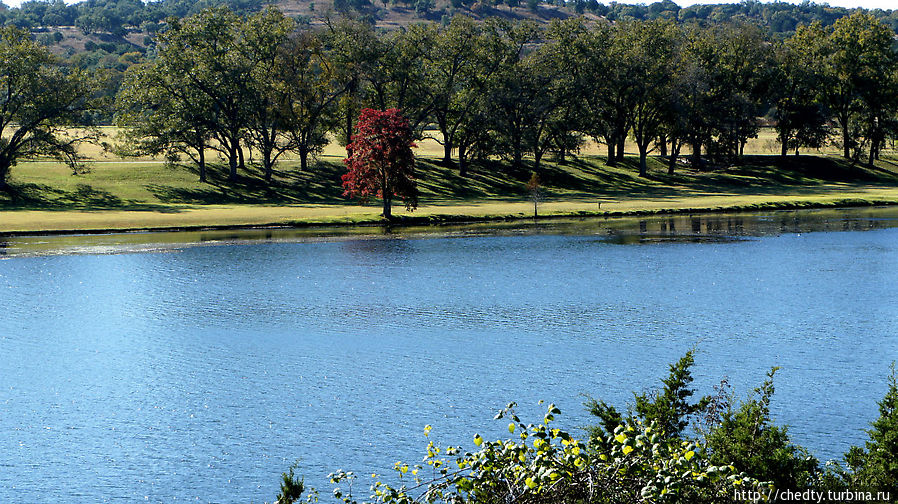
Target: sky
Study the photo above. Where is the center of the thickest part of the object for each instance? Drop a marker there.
(869, 4)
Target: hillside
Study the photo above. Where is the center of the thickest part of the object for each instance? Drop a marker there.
(129, 25)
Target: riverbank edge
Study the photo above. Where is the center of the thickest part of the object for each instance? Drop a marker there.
(463, 218)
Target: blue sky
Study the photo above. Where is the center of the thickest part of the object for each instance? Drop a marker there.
(869, 4)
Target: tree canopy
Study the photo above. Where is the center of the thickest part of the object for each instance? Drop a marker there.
(40, 102)
(381, 163)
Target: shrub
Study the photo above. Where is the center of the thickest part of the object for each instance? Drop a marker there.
(543, 464)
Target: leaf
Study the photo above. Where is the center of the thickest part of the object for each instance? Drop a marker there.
(689, 455)
(478, 440)
(627, 449)
(511, 427)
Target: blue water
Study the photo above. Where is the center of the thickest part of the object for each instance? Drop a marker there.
(202, 373)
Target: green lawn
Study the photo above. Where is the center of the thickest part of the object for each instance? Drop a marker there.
(148, 194)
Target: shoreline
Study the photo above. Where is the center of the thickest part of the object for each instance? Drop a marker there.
(335, 220)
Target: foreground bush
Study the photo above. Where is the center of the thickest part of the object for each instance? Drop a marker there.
(738, 455)
(543, 464)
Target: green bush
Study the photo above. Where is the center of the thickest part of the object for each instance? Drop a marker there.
(643, 457)
(543, 464)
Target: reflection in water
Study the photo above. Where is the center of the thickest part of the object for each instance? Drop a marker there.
(701, 226)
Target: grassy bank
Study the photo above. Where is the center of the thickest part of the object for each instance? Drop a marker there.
(146, 194)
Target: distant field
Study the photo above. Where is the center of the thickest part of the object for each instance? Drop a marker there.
(766, 143)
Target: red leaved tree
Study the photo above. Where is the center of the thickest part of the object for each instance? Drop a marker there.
(381, 162)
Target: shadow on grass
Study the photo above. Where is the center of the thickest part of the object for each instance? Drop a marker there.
(585, 177)
(83, 197)
(320, 183)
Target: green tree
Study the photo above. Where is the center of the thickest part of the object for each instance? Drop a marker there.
(39, 99)
(463, 58)
(523, 96)
(668, 408)
(608, 85)
(311, 88)
(860, 57)
(159, 115)
(353, 48)
(801, 115)
(292, 488)
(569, 119)
(651, 49)
(202, 52)
(267, 98)
(397, 77)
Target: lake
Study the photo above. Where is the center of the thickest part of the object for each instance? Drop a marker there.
(166, 367)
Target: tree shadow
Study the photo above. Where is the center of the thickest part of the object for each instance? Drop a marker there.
(45, 197)
(319, 183)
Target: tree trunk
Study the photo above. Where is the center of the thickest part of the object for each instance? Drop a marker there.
(269, 165)
(785, 149)
(447, 152)
(672, 162)
(462, 161)
(240, 156)
(612, 160)
(662, 143)
(4, 174)
(674, 153)
(303, 158)
(202, 156)
(348, 131)
(518, 156)
(696, 155)
(562, 155)
(388, 211)
(232, 163)
(845, 141)
(643, 166)
(621, 141)
(537, 156)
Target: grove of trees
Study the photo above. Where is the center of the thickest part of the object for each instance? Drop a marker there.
(263, 85)
(505, 89)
